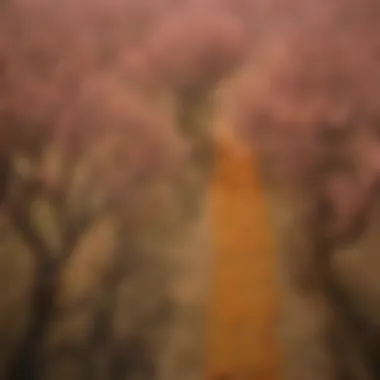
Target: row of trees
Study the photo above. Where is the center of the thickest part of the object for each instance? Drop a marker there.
(105, 156)
(309, 104)
(106, 149)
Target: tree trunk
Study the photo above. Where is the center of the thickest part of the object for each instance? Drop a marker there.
(26, 365)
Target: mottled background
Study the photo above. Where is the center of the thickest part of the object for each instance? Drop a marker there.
(188, 189)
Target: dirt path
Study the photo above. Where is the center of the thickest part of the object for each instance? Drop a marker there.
(243, 311)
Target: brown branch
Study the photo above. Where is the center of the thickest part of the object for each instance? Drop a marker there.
(18, 208)
(72, 230)
(362, 217)
(25, 228)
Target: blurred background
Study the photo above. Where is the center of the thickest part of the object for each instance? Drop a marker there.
(163, 164)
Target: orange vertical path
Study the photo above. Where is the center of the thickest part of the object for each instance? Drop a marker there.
(242, 341)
